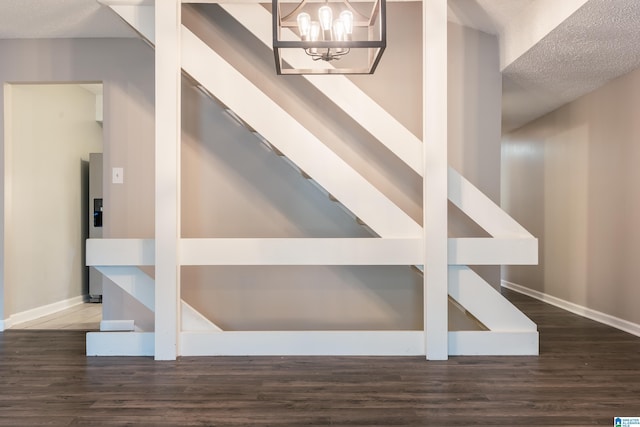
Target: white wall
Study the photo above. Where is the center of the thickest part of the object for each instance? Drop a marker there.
(571, 178)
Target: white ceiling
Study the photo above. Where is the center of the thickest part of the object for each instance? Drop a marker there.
(599, 42)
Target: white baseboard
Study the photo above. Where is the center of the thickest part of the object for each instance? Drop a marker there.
(120, 344)
(598, 316)
(44, 310)
(117, 325)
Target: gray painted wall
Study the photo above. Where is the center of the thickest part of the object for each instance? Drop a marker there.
(571, 178)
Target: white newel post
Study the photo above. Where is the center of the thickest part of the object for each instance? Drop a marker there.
(167, 173)
(434, 23)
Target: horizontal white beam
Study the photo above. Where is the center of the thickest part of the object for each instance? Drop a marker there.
(493, 251)
(314, 251)
(120, 252)
(302, 343)
(489, 343)
(301, 251)
(120, 344)
(117, 325)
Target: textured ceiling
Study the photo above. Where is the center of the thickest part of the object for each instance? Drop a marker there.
(59, 19)
(599, 42)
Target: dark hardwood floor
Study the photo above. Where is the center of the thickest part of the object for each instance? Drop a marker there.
(586, 374)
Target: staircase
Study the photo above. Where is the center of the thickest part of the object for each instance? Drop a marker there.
(507, 331)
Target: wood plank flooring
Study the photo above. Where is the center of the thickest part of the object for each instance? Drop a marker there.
(586, 374)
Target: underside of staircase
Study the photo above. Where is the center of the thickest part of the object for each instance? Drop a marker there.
(398, 236)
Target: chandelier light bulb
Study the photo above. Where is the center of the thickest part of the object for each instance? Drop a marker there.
(346, 16)
(325, 15)
(314, 35)
(339, 30)
(304, 25)
(314, 31)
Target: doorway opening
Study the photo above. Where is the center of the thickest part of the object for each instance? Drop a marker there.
(50, 131)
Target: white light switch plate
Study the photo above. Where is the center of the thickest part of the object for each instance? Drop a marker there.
(118, 176)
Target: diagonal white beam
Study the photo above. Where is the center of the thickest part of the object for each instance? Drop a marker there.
(482, 209)
(485, 303)
(133, 281)
(339, 89)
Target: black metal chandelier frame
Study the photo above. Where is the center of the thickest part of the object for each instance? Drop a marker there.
(332, 50)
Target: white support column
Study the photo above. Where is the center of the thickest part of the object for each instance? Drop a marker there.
(434, 21)
(168, 115)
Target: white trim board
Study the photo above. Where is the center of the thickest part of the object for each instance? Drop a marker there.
(302, 343)
(598, 316)
(120, 344)
(117, 325)
(45, 310)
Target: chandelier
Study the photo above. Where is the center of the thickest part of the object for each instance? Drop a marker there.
(328, 37)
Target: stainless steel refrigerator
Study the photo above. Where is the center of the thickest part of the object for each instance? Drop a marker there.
(95, 220)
